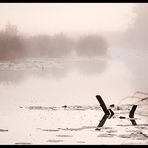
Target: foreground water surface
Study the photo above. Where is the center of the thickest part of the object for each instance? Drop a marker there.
(33, 91)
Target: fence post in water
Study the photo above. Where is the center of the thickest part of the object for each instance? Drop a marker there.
(112, 113)
(131, 114)
(102, 104)
(103, 120)
(133, 121)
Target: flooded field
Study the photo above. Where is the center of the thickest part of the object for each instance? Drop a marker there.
(73, 74)
(52, 101)
(71, 125)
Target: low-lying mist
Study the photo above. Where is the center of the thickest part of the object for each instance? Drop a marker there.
(136, 34)
(131, 46)
(14, 45)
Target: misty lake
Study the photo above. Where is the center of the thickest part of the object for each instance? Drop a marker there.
(50, 83)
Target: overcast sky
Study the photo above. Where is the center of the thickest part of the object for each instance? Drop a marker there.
(51, 18)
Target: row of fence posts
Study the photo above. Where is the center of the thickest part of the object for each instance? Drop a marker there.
(108, 113)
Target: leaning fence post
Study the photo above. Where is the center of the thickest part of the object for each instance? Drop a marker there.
(133, 121)
(131, 114)
(102, 104)
(101, 123)
(112, 113)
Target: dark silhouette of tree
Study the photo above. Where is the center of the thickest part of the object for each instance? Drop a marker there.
(11, 44)
(11, 29)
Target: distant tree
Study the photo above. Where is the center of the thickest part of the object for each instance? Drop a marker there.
(52, 46)
(11, 29)
(11, 44)
(39, 45)
(62, 45)
(91, 45)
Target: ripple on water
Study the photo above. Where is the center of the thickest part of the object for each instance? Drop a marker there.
(23, 143)
(64, 135)
(54, 141)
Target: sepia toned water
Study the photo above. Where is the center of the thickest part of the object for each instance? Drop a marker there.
(52, 100)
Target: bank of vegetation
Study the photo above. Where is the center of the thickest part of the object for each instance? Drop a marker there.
(14, 45)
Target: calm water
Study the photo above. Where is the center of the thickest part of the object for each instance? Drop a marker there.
(73, 125)
(64, 81)
(46, 82)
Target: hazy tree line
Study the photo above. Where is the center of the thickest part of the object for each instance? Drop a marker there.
(13, 45)
(136, 36)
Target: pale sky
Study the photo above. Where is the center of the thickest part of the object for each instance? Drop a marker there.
(51, 18)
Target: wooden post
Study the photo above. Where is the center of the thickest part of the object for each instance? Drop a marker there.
(103, 120)
(133, 121)
(102, 104)
(131, 114)
(112, 113)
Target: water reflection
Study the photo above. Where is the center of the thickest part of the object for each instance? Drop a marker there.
(92, 67)
(133, 121)
(55, 69)
(9, 76)
(105, 117)
(136, 60)
(102, 122)
(63, 81)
